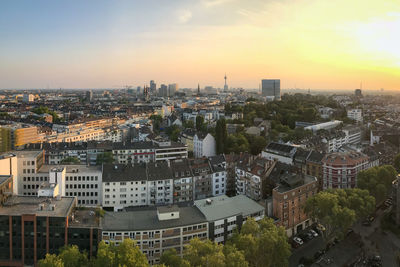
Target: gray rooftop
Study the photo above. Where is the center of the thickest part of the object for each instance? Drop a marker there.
(27, 153)
(71, 168)
(20, 205)
(139, 219)
(223, 207)
(122, 172)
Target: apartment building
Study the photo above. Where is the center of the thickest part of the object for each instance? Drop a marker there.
(280, 152)
(137, 185)
(183, 180)
(202, 178)
(225, 214)
(204, 145)
(149, 151)
(314, 167)
(137, 152)
(219, 175)
(288, 199)
(156, 229)
(355, 114)
(16, 135)
(340, 169)
(251, 177)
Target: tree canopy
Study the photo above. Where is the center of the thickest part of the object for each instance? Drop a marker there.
(126, 254)
(105, 157)
(70, 160)
(262, 243)
(337, 210)
(377, 180)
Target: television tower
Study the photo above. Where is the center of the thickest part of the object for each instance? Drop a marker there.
(225, 86)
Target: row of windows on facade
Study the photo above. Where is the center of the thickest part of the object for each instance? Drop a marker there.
(83, 194)
(28, 163)
(141, 182)
(28, 171)
(135, 157)
(79, 186)
(81, 178)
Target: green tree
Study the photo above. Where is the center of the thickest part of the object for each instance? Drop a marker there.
(126, 254)
(337, 210)
(199, 123)
(173, 132)
(70, 160)
(207, 253)
(156, 120)
(105, 157)
(71, 256)
(257, 144)
(188, 124)
(51, 260)
(171, 258)
(377, 181)
(262, 243)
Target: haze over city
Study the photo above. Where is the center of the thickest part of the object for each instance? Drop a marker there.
(110, 44)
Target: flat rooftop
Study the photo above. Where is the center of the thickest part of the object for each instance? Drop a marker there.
(21, 205)
(84, 218)
(70, 168)
(146, 218)
(27, 153)
(222, 207)
(293, 181)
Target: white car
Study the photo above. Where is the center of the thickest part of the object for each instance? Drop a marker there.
(298, 240)
(315, 234)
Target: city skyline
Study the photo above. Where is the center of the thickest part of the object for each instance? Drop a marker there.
(101, 44)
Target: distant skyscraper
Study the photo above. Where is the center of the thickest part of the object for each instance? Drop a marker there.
(172, 88)
(198, 89)
(225, 86)
(146, 92)
(89, 96)
(153, 87)
(271, 89)
(163, 91)
(358, 93)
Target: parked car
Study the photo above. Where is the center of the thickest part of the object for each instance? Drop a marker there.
(298, 240)
(314, 233)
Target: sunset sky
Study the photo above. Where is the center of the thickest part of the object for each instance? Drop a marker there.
(315, 44)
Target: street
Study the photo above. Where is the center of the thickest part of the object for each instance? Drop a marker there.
(365, 242)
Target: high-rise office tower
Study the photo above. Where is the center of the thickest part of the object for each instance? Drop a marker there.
(271, 89)
(89, 96)
(225, 86)
(163, 91)
(172, 88)
(153, 87)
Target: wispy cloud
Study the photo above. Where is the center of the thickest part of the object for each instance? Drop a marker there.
(184, 15)
(212, 3)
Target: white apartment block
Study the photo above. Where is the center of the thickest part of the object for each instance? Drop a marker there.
(204, 145)
(355, 114)
(138, 185)
(218, 179)
(73, 180)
